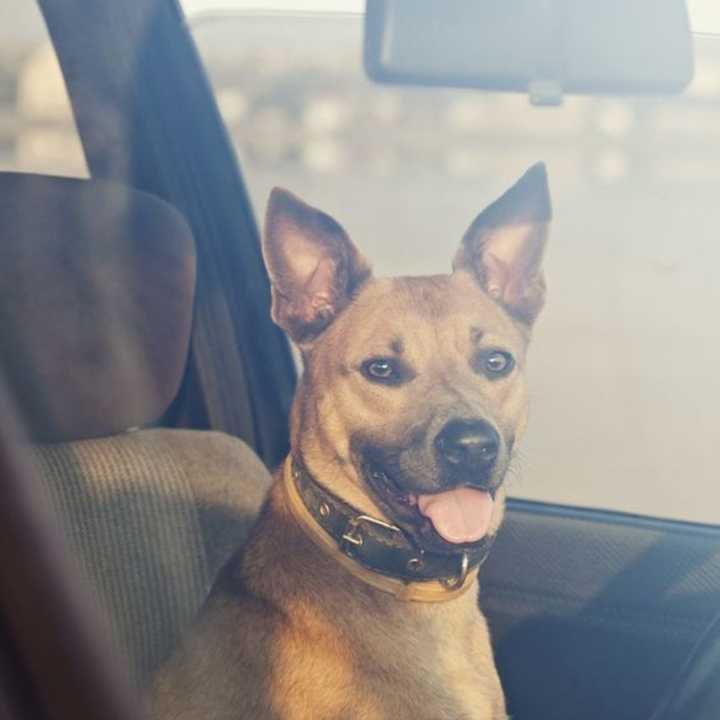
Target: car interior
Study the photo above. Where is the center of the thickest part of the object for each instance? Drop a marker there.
(145, 390)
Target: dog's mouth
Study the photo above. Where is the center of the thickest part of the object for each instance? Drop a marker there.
(445, 520)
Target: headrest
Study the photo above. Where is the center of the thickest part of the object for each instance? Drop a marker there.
(96, 297)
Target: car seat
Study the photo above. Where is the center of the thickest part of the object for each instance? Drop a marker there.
(96, 298)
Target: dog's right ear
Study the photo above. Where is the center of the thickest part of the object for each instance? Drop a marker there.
(314, 267)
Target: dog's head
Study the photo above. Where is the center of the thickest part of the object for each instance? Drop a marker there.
(414, 395)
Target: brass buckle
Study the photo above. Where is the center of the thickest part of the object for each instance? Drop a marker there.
(352, 537)
(454, 583)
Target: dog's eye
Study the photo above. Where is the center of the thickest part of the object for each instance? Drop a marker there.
(388, 371)
(495, 363)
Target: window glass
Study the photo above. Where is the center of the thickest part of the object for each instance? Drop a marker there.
(37, 130)
(623, 367)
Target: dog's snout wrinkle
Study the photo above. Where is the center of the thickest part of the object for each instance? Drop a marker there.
(456, 383)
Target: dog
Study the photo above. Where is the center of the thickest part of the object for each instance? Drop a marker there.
(356, 596)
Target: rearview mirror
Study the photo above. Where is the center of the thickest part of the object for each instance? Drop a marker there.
(544, 47)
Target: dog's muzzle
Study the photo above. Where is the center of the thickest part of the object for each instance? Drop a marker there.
(441, 490)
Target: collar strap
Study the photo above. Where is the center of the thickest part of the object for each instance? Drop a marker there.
(377, 552)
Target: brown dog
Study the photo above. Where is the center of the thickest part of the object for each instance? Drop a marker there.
(356, 596)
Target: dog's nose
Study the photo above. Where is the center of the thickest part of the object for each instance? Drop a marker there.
(468, 445)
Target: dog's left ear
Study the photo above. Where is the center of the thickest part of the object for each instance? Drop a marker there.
(313, 265)
(504, 246)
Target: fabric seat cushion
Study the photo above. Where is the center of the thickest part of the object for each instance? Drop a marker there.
(153, 515)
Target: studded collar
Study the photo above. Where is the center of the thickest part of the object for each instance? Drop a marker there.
(378, 552)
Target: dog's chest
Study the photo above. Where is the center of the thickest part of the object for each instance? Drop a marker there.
(383, 675)
(453, 677)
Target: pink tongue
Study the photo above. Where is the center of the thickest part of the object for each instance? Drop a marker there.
(460, 515)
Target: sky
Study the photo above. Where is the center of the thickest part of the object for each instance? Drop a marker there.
(704, 14)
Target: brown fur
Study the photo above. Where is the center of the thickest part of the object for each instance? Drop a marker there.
(287, 633)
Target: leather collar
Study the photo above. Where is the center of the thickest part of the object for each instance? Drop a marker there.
(379, 552)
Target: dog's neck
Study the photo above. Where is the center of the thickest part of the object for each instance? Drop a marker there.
(284, 567)
(373, 550)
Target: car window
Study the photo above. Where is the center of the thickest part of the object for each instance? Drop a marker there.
(37, 130)
(623, 370)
